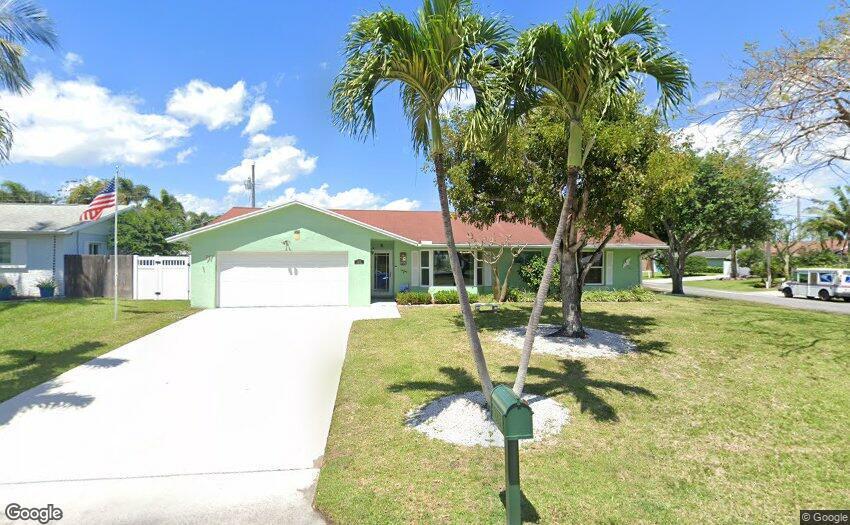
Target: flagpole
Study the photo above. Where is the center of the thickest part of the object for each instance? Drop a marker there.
(115, 243)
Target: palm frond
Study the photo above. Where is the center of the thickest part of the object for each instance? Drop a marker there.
(21, 22)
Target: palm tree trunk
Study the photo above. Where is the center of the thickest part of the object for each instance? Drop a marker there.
(539, 301)
(570, 296)
(574, 159)
(465, 308)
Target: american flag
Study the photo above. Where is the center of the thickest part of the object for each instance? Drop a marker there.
(102, 201)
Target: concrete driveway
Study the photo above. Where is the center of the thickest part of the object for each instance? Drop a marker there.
(222, 416)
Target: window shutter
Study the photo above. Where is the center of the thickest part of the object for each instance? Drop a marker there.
(609, 268)
(415, 263)
(19, 252)
(488, 274)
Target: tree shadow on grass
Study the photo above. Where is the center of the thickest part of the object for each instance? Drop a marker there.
(41, 397)
(573, 379)
(27, 368)
(459, 381)
(631, 326)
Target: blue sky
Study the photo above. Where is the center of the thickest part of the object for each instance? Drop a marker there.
(167, 90)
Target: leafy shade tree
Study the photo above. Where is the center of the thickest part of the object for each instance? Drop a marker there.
(446, 47)
(696, 201)
(17, 192)
(144, 231)
(128, 193)
(833, 217)
(794, 101)
(22, 22)
(521, 183)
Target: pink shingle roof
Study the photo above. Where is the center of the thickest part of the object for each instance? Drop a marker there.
(427, 226)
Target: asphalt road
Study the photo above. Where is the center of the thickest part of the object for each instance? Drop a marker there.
(836, 306)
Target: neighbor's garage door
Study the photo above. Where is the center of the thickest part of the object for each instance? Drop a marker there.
(282, 279)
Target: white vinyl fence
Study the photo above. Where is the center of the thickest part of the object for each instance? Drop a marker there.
(160, 277)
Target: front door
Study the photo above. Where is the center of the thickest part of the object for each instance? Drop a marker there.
(382, 276)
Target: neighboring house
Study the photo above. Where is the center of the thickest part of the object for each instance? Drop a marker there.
(715, 257)
(34, 239)
(298, 254)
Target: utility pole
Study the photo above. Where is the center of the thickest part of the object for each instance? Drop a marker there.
(254, 185)
(250, 184)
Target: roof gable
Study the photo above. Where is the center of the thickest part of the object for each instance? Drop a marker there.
(235, 215)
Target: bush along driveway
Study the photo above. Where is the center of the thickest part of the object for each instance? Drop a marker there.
(725, 413)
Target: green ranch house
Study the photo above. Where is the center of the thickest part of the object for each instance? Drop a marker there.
(296, 254)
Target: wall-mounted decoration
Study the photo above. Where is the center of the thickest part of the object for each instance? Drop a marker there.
(402, 258)
(297, 235)
(358, 261)
(627, 263)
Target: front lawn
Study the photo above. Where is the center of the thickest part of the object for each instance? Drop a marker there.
(728, 413)
(738, 285)
(41, 339)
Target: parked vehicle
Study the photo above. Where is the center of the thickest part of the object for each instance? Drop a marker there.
(821, 283)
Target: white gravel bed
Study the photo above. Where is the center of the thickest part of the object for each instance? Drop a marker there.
(598, 343)
(462, 419)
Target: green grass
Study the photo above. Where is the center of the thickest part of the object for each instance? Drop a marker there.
(41, 339)
(743, 285)
(728, 413)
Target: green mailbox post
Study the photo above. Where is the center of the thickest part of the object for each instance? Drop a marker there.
(512, 416)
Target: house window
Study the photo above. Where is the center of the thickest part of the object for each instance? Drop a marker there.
(97, 248)
(525, 257)
(594, 275)
(425, 278)
(443, 269)
(5, 252)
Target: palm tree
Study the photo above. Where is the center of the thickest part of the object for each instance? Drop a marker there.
(21, 22)
(832, 218)
(593, 59)
(128, 192)
(446, 47)
(17, 192)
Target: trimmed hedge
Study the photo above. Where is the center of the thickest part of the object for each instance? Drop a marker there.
(411, 297)
(637, 294)
(452, 297)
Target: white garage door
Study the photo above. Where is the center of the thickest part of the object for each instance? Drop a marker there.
(283, 279)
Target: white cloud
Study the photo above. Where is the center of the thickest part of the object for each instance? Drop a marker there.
(354, 198)
(71, 61)
(404, 204)
(705, 136)
(261, 118)
(278, 161)
(199, 102)
(79, 122)
(457, 98)
(184, 154)
(710, 98)
(198, 204)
